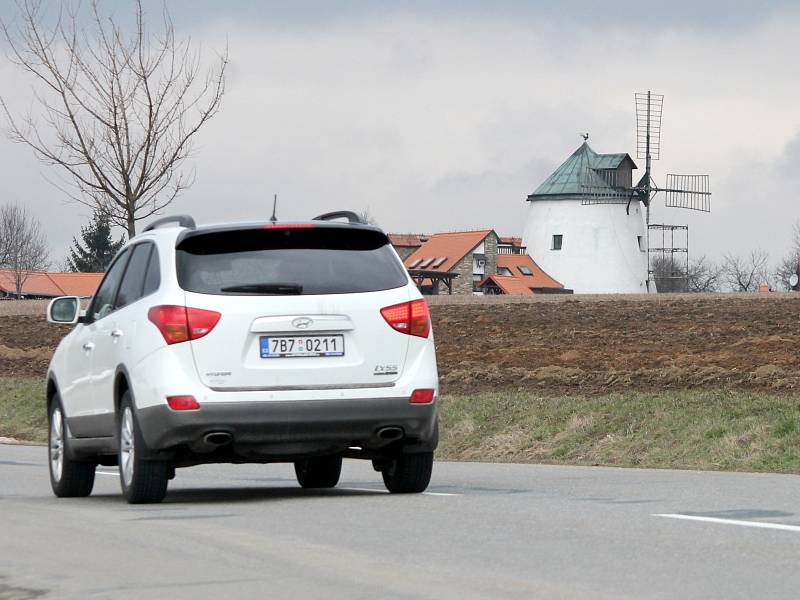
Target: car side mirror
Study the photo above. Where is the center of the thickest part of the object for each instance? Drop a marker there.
(65, 310)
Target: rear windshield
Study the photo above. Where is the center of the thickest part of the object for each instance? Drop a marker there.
(323, 260)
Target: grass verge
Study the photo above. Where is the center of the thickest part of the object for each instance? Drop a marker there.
(724, 430)
(22, 408)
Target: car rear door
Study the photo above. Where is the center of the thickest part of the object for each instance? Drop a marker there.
(299, 308)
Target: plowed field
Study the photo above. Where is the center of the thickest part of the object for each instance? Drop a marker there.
(590, 346)
(570, 345)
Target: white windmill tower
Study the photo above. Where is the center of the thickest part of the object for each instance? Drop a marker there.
(588, 224)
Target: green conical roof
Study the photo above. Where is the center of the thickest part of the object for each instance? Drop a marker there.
(578, 172)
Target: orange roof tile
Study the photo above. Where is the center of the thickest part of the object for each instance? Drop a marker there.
(452, 246)
(39, 283)
(512, 286)
(539, 279)
(77, 284)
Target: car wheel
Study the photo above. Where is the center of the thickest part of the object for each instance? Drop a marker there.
(408, 473)
(318, 472)
(142, 481)
(68, 478)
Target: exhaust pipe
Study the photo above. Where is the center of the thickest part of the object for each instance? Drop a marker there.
(390, 434)
(217, 438)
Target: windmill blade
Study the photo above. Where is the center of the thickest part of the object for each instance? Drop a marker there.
(691, 192)
(649, 107)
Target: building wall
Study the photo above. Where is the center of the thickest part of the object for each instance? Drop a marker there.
(600, 252)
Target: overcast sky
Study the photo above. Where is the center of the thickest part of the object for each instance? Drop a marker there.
(445, 115)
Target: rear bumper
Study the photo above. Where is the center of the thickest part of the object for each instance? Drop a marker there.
(285, 428)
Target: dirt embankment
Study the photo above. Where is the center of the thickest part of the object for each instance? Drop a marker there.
(569, 345)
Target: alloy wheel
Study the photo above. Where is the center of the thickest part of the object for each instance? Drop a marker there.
(56, 443)
(126, 447)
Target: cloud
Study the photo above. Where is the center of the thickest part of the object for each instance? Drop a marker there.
(438, 124)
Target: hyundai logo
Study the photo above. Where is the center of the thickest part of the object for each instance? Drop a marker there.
(302, 323)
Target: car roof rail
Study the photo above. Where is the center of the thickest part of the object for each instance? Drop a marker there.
(341, 214)
(181, 220)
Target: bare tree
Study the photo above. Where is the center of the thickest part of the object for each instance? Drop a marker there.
(23, 244)
(746, 274)
(669, 274)
(790, 264)
(119, 106)
(704, 276)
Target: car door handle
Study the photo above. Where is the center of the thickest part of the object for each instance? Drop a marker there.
(88, 346)
(116, 333)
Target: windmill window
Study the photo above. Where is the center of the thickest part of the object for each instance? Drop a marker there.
(414, 264)
(524, 270)
(640, 241)
(558, 240)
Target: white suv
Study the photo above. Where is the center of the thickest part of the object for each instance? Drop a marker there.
(278, 342)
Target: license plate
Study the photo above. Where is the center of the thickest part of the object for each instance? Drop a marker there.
(298, 346)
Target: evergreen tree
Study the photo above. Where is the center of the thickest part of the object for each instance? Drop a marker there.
(98, 247)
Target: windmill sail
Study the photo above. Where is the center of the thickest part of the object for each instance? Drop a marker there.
(649, 108)
(688, 191)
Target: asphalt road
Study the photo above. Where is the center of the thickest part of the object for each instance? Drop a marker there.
(484, 531)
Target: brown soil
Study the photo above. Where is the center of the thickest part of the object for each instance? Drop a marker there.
(573, 345)
(26, 345)
(591, 346)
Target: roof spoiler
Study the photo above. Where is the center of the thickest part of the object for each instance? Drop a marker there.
(341, 214)
(181, 220)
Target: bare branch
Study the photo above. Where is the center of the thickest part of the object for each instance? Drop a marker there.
(116, 111)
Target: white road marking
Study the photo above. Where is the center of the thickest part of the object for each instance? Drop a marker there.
(115, 474)
(757, 524)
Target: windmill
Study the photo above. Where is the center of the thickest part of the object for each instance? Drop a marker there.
(610, 186)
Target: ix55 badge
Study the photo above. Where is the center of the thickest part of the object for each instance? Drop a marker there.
(385, 370)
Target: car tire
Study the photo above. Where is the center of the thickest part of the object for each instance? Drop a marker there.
(408, 473)
(68, 478)
(142, 481)
(318, 472)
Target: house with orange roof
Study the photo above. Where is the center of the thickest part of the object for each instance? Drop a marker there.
(457, 260)
(477, 262)
(40, 284)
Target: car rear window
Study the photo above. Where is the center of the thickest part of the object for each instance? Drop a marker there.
(274, 261)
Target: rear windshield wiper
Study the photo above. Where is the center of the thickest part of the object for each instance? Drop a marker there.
(266, 288)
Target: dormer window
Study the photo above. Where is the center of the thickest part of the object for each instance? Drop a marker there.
(525, 270)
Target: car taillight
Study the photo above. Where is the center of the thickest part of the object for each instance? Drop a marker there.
(411, 318)
(180, 323)
(182, 403)
(421, 397)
